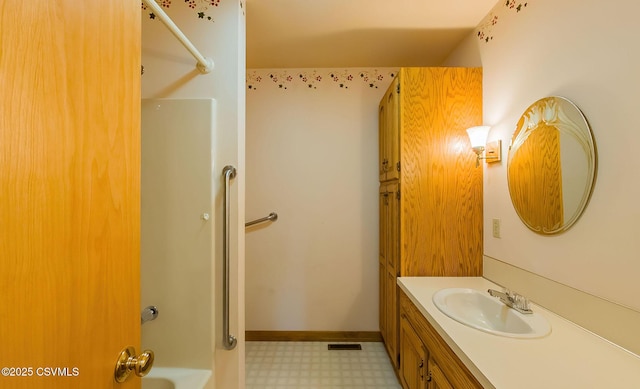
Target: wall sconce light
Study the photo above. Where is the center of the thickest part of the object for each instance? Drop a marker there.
(478, 137)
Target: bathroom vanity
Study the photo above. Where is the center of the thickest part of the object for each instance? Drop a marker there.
(437, 351)
(425, 358)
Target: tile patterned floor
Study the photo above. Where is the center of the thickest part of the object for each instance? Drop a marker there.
(309, 365)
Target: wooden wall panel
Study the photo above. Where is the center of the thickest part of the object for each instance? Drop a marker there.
(441, 220)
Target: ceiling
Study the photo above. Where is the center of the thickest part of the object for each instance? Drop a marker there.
(357, 33)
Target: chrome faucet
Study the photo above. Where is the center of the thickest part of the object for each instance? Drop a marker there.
(512, 300)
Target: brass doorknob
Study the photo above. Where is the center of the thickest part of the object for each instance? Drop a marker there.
(128, 362)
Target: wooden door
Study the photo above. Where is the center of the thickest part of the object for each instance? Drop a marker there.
(69, 191)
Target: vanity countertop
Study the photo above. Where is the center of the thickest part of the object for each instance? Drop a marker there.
(569, 357)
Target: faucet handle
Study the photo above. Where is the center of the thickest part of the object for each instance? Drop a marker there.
(512, 296)
(523, 303)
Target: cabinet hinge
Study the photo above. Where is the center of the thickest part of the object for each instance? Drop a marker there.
(398, 88)
(429, 378)
(398, 195)
(398, 166)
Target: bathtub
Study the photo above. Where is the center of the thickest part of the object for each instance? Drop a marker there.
(176, 378)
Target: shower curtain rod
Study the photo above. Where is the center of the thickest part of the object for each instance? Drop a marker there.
(204, 65)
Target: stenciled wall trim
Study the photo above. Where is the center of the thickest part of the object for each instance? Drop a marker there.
(502, 10)
(319, 78)
(202, 7)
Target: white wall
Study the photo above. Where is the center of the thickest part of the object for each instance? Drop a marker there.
(312, 141)
(586, 51)
(169, 72)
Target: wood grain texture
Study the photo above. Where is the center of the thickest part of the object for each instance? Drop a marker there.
(389, 254)
(438, 379)
(535, 180)
(431, 218)
(389, 132)
(441, 201)
(456, 373)
(382, 140)
(382, 299)
(69, 188)
(391, 339)
(383, 254)
(393, 129)
(393, 228)
(413, 365)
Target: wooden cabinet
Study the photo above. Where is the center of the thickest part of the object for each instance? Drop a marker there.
(431, 189)
(417, 369)
(437, 379)
(389, 133)
(426, 361)
(413, 365)
(389, 207)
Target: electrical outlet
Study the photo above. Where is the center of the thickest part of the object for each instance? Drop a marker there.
(496, 228)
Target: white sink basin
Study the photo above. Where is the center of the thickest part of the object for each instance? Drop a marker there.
(479, 310)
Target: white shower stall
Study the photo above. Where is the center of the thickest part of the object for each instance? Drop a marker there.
(192, 127)
(177, 237)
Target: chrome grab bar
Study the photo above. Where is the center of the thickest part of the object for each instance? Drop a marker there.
(229, 341)
(272, 217)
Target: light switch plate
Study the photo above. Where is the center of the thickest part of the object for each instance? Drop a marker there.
(496, 228)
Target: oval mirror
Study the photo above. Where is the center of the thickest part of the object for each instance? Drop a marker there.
(551, 167)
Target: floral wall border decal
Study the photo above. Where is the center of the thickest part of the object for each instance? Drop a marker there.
(485, 29)
(315, 78)
(202, 7)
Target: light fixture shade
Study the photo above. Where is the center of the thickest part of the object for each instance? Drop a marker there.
(478, 135)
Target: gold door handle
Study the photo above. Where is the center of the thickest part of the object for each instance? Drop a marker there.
(128, 362)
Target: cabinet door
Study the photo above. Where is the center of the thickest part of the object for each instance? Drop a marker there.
(437, 379)
(384, 203)
(391, 341)
(393, 228)
(382, 140)
(382, 303)
(389, 133)
(413, 357)
(392, 136)
(389, 243)
(384, 243)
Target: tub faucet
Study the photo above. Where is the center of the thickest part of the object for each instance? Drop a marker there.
(512, 300)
